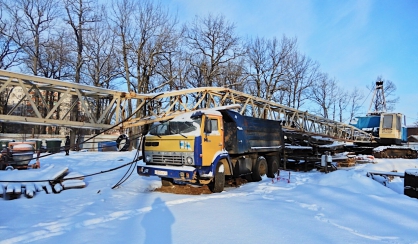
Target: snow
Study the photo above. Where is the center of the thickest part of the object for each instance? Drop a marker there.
(73, 175)
(22, 147)
(344, 206)
(382, 148)
(73, 184)
(47, 172)
(413, 172)
(298, 147)
(256, 148)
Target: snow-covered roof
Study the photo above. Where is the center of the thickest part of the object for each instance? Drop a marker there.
(413, 138)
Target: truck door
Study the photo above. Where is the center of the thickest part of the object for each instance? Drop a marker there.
(212, 140)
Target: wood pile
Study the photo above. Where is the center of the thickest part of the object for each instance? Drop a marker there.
(348, 162)
(15, 183)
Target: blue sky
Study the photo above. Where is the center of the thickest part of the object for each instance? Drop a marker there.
(354, 41)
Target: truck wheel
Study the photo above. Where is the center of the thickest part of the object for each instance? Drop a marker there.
(122, 143)
(218, 182)
(167, 182)
(259, 169)
(273, 166)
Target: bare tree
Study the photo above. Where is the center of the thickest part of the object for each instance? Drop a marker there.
(9, 50)
(121, 22)
(101, 66)
(101, 55)
(341, 104)
(322, 93)
(56, 57)
(156, 36)
(268, 65)
(148, 46)
(354, 103)
(34, 20)
(301, 73)
(235, 75)
(148, 35)
(212, 45)
(55, 61)
(174, 68)
(80, 15)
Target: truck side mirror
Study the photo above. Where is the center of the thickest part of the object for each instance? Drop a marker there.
(208, 126)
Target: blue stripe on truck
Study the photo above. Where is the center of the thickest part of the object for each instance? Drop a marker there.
(167, 171)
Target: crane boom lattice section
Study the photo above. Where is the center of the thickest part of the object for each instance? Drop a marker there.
(169, 104)
(103, 108)
(53, 102)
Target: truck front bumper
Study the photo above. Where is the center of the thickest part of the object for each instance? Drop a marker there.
(185, 173)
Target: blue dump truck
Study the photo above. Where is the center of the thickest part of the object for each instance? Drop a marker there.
(208, 147)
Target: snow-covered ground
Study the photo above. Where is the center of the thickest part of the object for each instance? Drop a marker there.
(344, 206)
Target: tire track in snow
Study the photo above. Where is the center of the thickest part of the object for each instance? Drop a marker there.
(300, 179)
(321, 217)
(56, 228)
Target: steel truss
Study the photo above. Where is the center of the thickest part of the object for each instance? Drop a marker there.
(70, 95)
(167, 105)
(150, 108)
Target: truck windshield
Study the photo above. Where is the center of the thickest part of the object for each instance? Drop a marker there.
(175, 127)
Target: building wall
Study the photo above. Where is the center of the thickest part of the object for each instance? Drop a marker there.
(412, 131)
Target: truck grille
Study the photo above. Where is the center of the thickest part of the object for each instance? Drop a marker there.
(168, 159)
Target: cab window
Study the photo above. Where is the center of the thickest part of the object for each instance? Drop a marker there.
(398, 123)
(214, 124)
(387, 121)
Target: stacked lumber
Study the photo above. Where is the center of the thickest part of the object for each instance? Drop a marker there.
(348, 162)
(73, 180)
(52, 179)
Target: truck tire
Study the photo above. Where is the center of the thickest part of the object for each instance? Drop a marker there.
(259, 169)
(273, 166)
(218, 182)
(122, 143)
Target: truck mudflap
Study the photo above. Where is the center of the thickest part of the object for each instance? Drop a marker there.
(174, 172)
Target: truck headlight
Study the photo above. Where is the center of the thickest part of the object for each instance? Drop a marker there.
(189, 160)
(148, 158)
